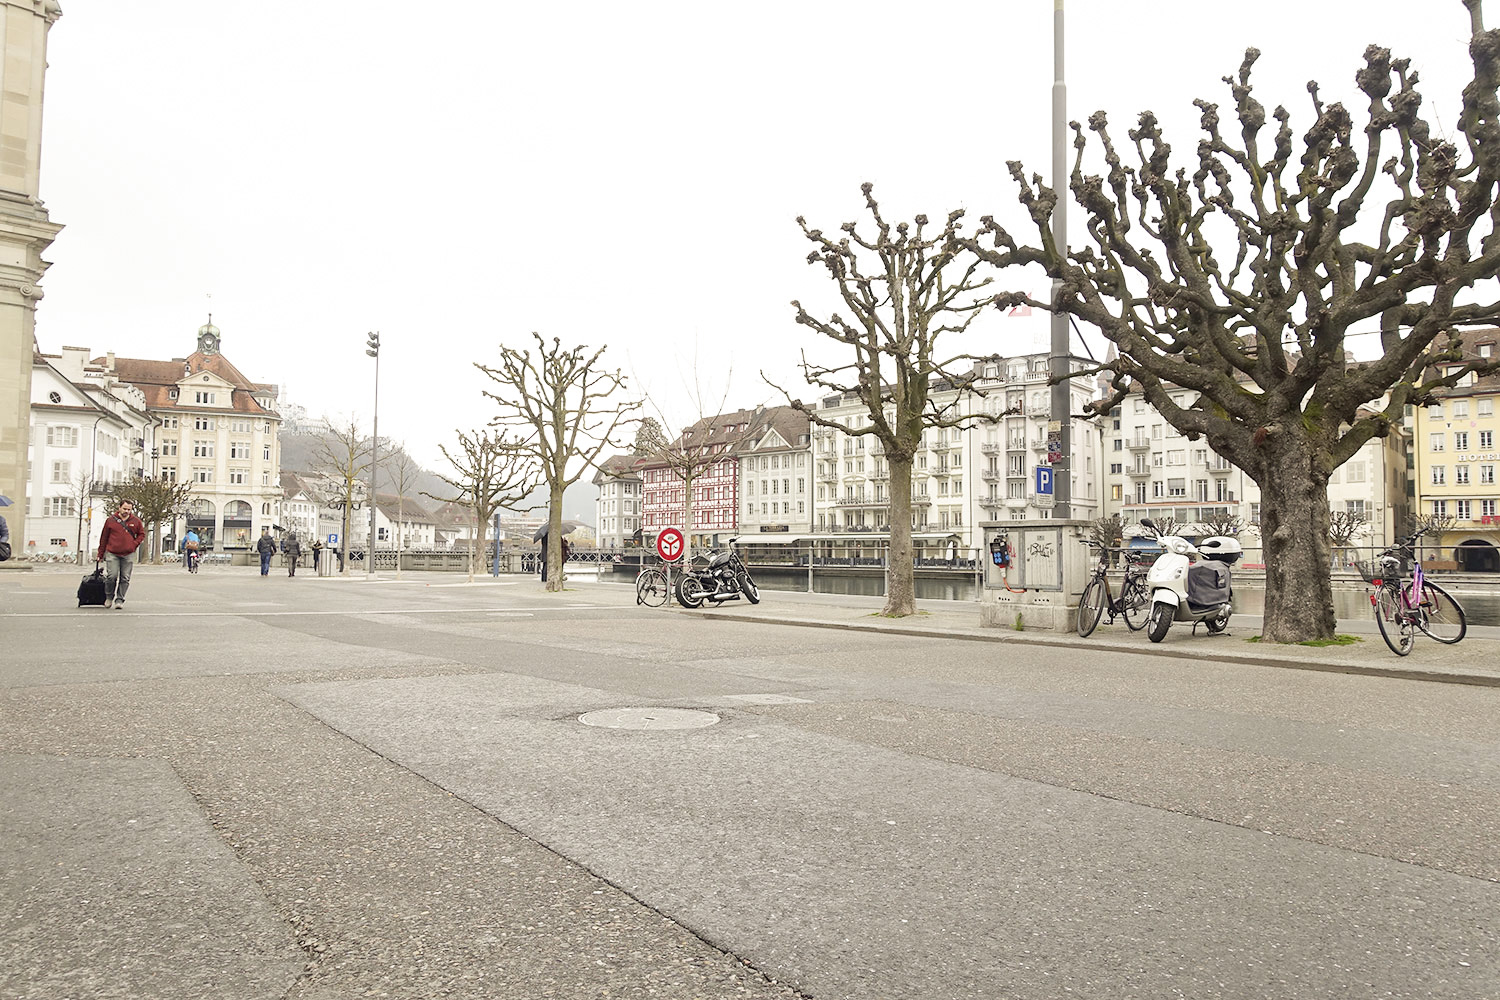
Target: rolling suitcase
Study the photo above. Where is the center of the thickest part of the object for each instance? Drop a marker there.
(91, 591)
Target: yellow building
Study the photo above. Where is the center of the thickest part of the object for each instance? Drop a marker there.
(1454, 456)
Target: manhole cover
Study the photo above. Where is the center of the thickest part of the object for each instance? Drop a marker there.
(648, 718)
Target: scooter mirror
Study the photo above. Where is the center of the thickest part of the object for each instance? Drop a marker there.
(1148, 524)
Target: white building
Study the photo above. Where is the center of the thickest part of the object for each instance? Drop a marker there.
(960, 477)
(215, 428)
(776, 477)
(84, 439)
(403, 524)
(618, 509)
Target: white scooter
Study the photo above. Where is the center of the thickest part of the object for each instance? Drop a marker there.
(1189, 583)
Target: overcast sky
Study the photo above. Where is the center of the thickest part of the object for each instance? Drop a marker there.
(457, 175)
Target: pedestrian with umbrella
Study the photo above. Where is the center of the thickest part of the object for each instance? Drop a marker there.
(541, 536)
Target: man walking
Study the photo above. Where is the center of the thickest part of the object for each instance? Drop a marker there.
(122, 535)
(266, 546)
(292, 549)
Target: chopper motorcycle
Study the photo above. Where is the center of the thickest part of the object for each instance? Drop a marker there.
(725, 578)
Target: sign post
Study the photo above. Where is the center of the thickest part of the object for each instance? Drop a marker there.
(669, 545)
(1044, 481)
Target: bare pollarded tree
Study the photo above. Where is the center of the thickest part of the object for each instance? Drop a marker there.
(906, 287)
(1240, 275)
(564, 408)
(403, 473)
(343, 455)
(488, 475)
(156, 501)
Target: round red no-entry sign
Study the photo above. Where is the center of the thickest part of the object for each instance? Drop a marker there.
(669, 544)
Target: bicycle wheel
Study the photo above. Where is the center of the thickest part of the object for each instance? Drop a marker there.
(1395, 628)
(1091, 606)
(1441, 617)
(651, 588)
(1135, 604)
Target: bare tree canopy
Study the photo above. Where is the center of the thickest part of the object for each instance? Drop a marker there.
(343, 455)
(905, 287)
(1226, 524)
(488, 475)
(404, 473)
(1241, 277)
(561, 405)
(1345, 525)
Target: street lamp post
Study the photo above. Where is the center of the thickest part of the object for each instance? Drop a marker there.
(1062, 389)
(372, 348)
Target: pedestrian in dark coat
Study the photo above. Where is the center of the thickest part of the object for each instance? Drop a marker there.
(292, 549)
(266, 546)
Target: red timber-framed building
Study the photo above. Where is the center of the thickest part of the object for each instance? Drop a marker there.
(709, 452)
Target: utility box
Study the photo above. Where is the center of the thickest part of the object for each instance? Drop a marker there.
(1034, 579)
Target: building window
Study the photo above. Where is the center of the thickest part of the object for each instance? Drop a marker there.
(62, 437)
(1439, 475)
(59, 507)
(1460, 408)
(1486, 508)
(1486, 407)
(62, 471)
(238, 477)
(1486, 439)
(1435, 441)
(203, 449)
(1439, 508)
(239, 449)
(1460, 440)
(1487, 475)
(202, 475)
(1462, 510)
(1461, 475)
(203, 423)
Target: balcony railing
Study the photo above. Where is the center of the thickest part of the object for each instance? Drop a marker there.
(990, 475)
(1138, 444)
(990, 448)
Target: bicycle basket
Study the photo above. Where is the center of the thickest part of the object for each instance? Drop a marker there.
(1368, 569)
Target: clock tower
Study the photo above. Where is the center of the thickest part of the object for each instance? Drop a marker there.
(208, 338)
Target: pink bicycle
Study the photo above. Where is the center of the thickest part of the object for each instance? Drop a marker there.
(1405, 607)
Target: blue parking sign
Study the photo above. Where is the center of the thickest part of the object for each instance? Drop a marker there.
(1043, 481)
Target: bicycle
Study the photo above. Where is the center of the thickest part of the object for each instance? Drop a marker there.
(1404, 609)
(1133, 604)
(651, 587)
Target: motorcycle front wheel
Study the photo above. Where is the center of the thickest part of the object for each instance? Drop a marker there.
(690, 592)
(748, 588)
(1158, 621)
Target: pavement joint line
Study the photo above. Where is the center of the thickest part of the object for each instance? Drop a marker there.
(1390, 673)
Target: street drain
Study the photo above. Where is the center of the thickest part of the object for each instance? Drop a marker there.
(648, 718)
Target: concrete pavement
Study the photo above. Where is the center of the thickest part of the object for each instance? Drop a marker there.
(326, 788)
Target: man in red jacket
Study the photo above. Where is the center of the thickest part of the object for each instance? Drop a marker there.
(122, 535)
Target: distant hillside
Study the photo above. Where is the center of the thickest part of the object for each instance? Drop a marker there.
(299, 451)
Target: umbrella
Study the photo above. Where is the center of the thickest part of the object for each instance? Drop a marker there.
(567, 526)
(6, 501)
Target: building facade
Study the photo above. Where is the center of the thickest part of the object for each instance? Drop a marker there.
(617, 512)
(25, 233)
(84, 439)
(776, 478)
(216, 429)
(961, 477)
(1454, 457)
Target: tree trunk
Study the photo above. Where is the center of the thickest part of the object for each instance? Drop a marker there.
(1294, 531)
(476, 546)
(900, 585)
(554, 539)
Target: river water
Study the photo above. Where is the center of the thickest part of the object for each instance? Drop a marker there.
(1481, 601)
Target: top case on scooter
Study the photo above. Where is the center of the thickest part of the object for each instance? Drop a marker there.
(1207, 584)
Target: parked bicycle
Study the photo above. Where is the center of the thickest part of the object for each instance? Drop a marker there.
(1404, 608)
(1134, 602)
(651, 588)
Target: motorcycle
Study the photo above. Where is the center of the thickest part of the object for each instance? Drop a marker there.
(725, 578)
(1190, 583)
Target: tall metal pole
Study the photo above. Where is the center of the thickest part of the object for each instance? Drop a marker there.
(1061, 422)
(373, 350)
